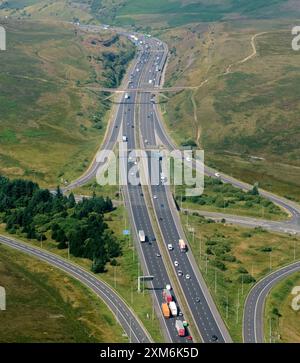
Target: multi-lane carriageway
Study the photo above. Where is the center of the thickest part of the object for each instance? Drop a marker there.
(144, 116)
(138, 110)
(135, 202)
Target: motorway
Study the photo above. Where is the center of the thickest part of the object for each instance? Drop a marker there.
(150, 254)
(253, 320)
(145, 74)
(153, 133)
(127, 318)
(204, 312)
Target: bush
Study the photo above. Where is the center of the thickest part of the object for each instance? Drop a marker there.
(242, 270)
(114, 262)
(219, 264)
(266, 249)
(229, 258)
(246, 234)
(246, 279)
(189, 143)
(211, 242)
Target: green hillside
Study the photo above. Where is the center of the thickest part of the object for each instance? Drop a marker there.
(51, 125)
(180, 12)
(44, 305)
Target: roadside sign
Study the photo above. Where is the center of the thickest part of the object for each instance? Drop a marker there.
(126, 232)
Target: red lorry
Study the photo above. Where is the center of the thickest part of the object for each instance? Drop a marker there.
(167, 296)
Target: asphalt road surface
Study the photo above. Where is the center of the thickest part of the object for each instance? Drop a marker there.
(149, 66)
(253, 321)
(275, 226)
(204, 312)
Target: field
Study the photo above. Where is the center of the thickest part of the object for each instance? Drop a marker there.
(246, 114)
(45, 305)
(51, 125)
(170, 13)
(46, 9)
(282, 322)
(231, 259)
(123, 276)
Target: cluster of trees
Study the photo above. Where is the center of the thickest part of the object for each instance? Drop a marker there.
(37, 213)
(223, 195)
(115, 66)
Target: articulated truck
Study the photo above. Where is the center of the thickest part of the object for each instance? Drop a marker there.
(180, 328)
(165, 310)
(167, 296)
(173, 308)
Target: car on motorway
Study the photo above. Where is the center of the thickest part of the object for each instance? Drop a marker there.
(169, 287)
(187, 276)
(176, 263)
(180, 273)
(170, 247)
(158, 255)
(154, 196)
(189, 337)
(197, 299)
(214, 338)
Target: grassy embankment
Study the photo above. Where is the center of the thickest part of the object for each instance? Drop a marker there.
(51, 125)
(282, 322)
(224, 198)
(246, 121)
(46, 305)
(149, 14)
(231, 259)
(122, 277)
(47, 10)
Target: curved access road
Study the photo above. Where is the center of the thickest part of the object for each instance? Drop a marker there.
(253, 321)
(124, 315)
(250, 222)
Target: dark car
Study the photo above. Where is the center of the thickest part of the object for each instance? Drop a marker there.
(214, 338)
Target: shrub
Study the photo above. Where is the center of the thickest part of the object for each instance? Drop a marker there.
(219, 264)
(242, 270)
(246, 279)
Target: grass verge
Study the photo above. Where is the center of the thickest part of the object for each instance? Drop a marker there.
(281, 321)
(231, 259)
(46, 305)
